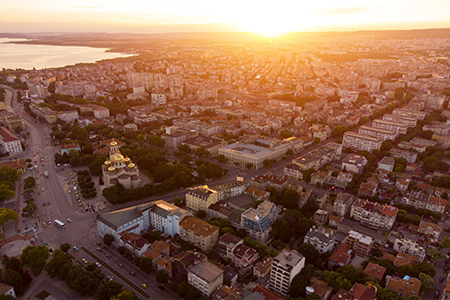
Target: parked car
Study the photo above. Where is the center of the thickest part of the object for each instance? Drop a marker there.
(75, 248)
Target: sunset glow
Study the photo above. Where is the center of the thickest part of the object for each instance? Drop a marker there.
(267, 18)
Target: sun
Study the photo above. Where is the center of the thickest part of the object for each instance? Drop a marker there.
(269, 23)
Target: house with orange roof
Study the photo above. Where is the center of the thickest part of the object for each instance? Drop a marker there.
(165, 263)
(341, 256)
(404, 259)
(405, 286)
(436, 204)
(375, 271)
(374, 215)
(430, 229)
(135, 243)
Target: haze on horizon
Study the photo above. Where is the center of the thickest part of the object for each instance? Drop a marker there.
(264, 17)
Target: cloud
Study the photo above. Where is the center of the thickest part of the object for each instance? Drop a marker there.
(338, 11)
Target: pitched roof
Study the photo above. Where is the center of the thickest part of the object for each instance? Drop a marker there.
(198, 226)
(405, 286)
(206, 271)
(375, 271)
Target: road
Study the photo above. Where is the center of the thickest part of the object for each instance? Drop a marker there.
(54, 201)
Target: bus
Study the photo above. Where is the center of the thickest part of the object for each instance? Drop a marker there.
(59, 223)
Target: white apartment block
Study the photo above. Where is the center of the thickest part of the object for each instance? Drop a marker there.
(410, 246)
(166, 217)
(399, 128)
(409, 121)
(68, 115)
(9, 141)
(360, 142)
(285, 266)
(374, 215)
(383, 134)
(159, 99)
(321, 240)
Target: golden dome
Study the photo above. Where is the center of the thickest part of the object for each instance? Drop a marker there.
(126, 159)
(113, 143)
(108, 162)
(131, 165)
(111, 169)
(118, 157)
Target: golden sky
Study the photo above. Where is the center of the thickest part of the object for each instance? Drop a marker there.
(266, 17)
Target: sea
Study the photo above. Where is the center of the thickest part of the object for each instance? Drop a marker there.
(27, 56)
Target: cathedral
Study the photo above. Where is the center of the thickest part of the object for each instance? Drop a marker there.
(119, 169)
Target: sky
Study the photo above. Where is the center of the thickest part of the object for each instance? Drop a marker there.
(262, 16)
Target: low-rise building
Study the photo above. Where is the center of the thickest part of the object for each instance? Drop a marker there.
(375, 271)
(387, 163)
(342, 204)
(430, 229)
(404, 287)
(199, 233)
(244, 258)
(410, 244)
(410, 156)
(227, 243)
(354, 163)
(360, 243)
(205, 277)
(374, 215)
(322, 240)
(262, 268)
(319, 288)
(9, 142)
(342, 256)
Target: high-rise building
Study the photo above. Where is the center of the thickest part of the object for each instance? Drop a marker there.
(285, 266)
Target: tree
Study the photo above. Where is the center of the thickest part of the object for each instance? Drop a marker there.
(35, 257)
(412, 297)
(108, 290)
(435, 254)
(182, 289)
(300, 282)
(162, 277)
(309, 252)
(290, 198)
(249, 165)
(201, 214)
(8, 174)
(64, 247)
(6, 192)
(125, 295)
(192, 293)
(108, 239)
(146, 265)
(7, 215)
(57, 266)
(427, 282)
(445, 242)
(386, 294)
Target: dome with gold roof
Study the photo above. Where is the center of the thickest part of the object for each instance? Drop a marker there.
(126, 159)
(118, 157)
(131, 165)
(108, 162)
(111, 169)
(113, 143)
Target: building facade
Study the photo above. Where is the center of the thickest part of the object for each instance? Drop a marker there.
(285, 266)
(201, 197)
(258, 221)
(199, 233)
(357, 141)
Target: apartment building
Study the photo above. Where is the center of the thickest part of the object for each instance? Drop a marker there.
(258, 221)
(322, 240)
(100, 112)
(200, 198)
(293, 171)
(383, 134)
(409, 121)
(410, 156)
(342, 204)
(430, 229)
(9, 142)
(227, 243)
(420, 115)
(357, 141)
(205, 277)
(232, 189)
(354, 162)
(360, 243)
(409, 243)
(387, 163)
(68, 115)
(285, 266)
(436, 204)
(244, 258)
(374, 215)
(166, 217)
(199, 233)
(442, 139)
(399, 128)
(319, 157)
